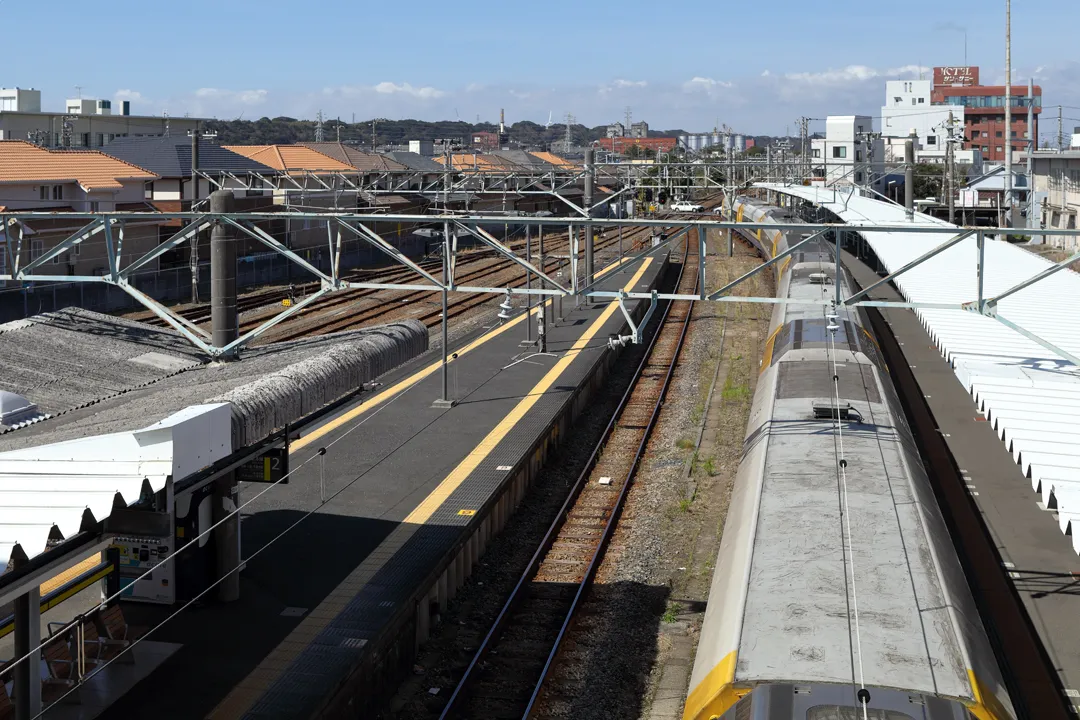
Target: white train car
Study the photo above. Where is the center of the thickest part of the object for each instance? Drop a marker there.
(837, 593)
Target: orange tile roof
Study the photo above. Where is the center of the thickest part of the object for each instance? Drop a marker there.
(291, 158)
(474, 161)
(555, 160)
(23, 162)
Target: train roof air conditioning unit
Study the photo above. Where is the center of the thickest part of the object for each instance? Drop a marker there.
(820, 278)
(831, 409)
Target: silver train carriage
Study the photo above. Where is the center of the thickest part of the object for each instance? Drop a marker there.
(837, 594)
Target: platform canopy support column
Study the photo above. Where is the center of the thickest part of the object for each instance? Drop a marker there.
(27, 674)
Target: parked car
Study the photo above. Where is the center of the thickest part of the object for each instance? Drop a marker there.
(686, 206)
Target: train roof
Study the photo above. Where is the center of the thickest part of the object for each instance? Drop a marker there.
(873, 596)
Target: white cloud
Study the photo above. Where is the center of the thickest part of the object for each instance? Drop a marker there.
(706, 84)
(243, 97)
(425, 93)
(759, 101)
(852, 73)
(132, 95)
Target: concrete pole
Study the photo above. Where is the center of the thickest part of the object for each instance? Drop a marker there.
(27, 674)
(528, 284)
(950, 170)
(909, 179)
(223, 273)
(1008, 106)
(444, 400)
(227, 537)
(1032, 145)
(194, 199)
(590, 180)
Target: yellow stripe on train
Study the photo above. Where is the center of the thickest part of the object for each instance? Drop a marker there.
(716, 693)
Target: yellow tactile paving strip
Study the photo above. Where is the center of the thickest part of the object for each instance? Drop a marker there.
(416, 377)
(72, 572)
(244, 695)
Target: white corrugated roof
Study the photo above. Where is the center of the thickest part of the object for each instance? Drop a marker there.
(56, 485)
(1030, 394)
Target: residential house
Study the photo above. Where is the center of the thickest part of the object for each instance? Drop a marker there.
(849, 154)
(83, 181)
(170, 159)
(316, 183)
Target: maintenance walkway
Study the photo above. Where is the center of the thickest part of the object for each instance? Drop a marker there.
(335, 594)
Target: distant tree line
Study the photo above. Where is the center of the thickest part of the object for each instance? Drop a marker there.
(287, 130)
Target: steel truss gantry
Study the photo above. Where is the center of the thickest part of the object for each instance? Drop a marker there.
(110, 228)
(619, 177)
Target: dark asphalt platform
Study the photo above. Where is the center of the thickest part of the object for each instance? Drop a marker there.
(403, 482)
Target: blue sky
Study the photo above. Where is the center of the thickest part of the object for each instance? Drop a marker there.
(753, 66)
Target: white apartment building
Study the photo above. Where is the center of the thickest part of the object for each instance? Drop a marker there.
(848, 154)
(1056, 184)
(18, 99)
(907, 107)
(84, 123)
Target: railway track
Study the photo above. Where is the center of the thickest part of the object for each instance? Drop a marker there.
(356, 308)
(501, 273)
(508, 671)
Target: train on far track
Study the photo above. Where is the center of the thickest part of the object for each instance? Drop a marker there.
(837, 592)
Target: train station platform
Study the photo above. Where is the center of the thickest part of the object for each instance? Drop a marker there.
(1039, 561)
(349, 564)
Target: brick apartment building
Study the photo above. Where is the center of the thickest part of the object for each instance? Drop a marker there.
(984, 110)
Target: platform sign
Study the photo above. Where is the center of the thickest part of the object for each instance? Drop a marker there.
(269, 468)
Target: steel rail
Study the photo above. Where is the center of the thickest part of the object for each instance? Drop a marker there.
(461, 691)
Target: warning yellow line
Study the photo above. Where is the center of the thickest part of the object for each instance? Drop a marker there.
(416, 377)
(240, 700)
(432, 502)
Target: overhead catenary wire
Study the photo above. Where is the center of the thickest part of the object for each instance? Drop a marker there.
(833, 319)
(324, 501)
(234, 513)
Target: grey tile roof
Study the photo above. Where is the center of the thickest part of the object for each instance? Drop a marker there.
(359, 159)
(415, 161)
(170, 157)
(96, 374)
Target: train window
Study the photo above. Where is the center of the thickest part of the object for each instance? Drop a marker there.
(834, 712)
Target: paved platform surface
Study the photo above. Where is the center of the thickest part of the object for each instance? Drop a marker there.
(398, 473)
(1039, 559)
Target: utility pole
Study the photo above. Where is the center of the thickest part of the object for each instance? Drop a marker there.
(1061, 132)
(909, 178)
(950, 167)
(1008, 107)
(1032, 140)
(804, 149)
